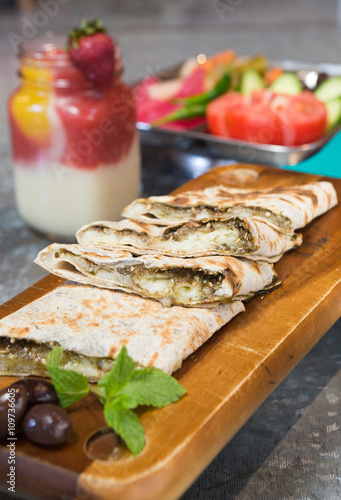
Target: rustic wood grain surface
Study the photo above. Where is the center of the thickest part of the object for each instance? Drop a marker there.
(226, 379)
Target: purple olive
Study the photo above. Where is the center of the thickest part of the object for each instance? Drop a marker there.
(47, 424)
(38, 391)
(13, 404)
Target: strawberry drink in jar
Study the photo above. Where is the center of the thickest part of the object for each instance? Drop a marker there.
(74, 136)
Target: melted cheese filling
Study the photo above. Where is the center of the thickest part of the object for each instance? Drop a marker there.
(210, 235)
(195, 241)
(174, 286)
(182, 287)
(100, 234)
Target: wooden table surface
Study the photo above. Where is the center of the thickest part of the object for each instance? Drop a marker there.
(226, 379)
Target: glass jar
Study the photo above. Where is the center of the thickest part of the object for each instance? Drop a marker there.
(75, 143)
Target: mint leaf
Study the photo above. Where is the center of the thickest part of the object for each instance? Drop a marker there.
(153, 388)
(126, 424)
(119, 375)
(70, 386)
(54, 357)
(124, 401)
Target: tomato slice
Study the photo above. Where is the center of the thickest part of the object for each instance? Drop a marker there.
(303, 117)
(218, 109)
(268, 118)
(255, 122)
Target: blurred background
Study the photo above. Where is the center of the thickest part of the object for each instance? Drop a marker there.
(155, 34)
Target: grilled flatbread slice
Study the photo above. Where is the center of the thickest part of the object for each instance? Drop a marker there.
(92, 324)
(170, 280)
(286, 208)
(249, 238)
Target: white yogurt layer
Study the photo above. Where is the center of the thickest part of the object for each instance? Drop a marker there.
(58, 200)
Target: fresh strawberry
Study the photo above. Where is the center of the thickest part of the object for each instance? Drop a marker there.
(93, 51)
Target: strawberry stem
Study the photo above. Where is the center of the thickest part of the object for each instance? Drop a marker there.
(86, 28)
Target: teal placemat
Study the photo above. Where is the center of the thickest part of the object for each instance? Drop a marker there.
(327, 161)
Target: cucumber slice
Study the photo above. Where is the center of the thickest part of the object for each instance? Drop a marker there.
(251, 80)
(329, 90)
(287, 83)
(333, 113)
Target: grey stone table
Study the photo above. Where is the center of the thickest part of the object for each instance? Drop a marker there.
(290, 449)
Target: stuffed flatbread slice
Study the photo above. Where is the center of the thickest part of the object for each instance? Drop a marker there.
(286, 208)
(92, 324)
(249, 238)
(170, 280)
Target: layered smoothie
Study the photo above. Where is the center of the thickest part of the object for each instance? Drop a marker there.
(75, 143)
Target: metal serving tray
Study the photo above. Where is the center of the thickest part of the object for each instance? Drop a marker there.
(197, 150)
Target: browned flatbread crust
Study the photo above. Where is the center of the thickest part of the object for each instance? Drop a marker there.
(96, 322)
(172, 281)
(251, 238)
(286, 208)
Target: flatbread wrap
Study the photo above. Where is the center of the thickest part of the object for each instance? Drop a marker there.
(286, 208)
(170, 280)
(236, 236)
(92, 324)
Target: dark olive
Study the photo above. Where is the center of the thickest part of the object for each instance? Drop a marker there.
(47, 424)
(13, 404)
(39, 391)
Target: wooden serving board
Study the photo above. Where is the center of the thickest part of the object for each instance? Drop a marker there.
(226, 379)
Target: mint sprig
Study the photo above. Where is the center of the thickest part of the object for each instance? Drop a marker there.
(121, 390)
(70, 386)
